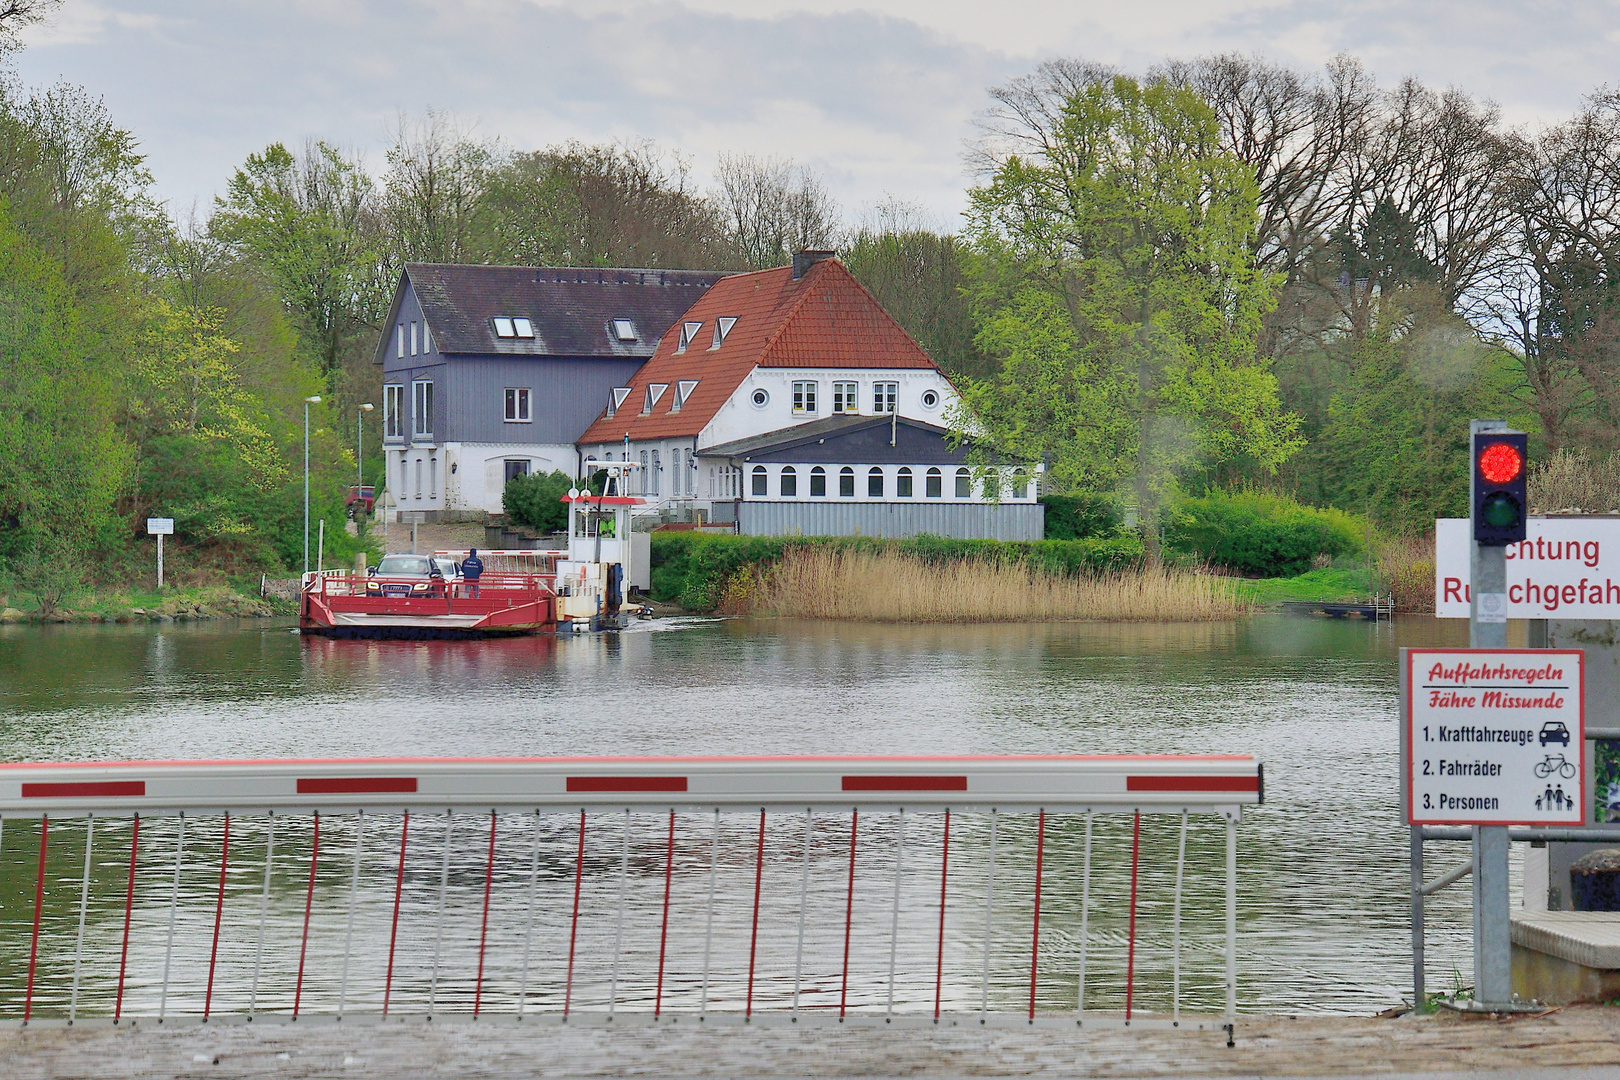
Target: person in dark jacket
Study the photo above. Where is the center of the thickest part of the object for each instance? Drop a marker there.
(472, 568)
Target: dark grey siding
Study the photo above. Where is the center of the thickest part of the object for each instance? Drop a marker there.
(963, 521)
(567, 394)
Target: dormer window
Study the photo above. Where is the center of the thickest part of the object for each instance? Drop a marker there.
(654, 392)
(624, 330)
(689, 330)
(683, 390)
(503, 327)
(617, 400)
(722, 327)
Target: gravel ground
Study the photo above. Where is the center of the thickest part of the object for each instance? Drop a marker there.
(1539, 1047)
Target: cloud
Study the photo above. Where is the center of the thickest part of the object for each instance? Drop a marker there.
(877, 95)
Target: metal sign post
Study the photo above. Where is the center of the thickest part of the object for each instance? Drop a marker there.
(160, 527)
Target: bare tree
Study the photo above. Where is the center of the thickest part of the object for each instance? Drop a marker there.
(436, 178)
(16, 14)
(773, 208)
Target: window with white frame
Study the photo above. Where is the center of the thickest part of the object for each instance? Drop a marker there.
(433, 477)
(933, 484)
(427, 339)
(422, 408)
(790, 482)
(413, 337)
(656, 471)
(393, 408)
(399, 341)
(818, 482)
(1020, 484)
(804, 398)
(760, 482)
(503, 327)
(418, 478)
(846, 397)
(522, 328)
(964, 484)
(885, 397)
(846, 483)
(517, 404)
(646, 482)
(874, 483)
(691, 472)
(902, 484)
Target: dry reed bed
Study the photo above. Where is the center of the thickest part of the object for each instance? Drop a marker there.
(892, 587)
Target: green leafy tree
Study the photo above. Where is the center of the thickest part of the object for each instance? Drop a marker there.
(1112, 275)
(311, 224)
(536, 500)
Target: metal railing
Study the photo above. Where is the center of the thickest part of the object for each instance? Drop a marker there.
(866, 890)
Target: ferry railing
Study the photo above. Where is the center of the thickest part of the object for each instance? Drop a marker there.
(345, 583)
(210, 891)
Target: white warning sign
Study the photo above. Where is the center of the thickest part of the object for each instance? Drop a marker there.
(1493, 736)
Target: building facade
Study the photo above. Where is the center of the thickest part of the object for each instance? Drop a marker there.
(490, 372)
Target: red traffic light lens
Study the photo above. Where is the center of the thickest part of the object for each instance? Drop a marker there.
(1500, 462)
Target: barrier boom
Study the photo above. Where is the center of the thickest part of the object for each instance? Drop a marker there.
(1149, 783)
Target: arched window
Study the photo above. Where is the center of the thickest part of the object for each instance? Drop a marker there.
(759, 481)
(934, 484)
(874, 483)
(846, 483)
(1020, 484)
(964, 484)
(902, 484)
(818, 482)
(790, 482)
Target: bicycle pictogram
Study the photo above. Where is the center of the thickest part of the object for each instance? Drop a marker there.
(1556, 763)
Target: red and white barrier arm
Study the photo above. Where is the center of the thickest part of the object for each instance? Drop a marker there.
(1168, 783)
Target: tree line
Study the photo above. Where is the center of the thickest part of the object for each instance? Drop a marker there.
(1220, 273)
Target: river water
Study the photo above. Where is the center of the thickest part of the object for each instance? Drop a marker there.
(1323, 909)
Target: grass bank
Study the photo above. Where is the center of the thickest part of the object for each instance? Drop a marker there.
(892, 586)
(134, 606)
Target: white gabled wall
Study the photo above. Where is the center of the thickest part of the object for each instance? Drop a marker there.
(740, 418)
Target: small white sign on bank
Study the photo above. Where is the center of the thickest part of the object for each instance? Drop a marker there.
(1493, 736)
(1565, 568)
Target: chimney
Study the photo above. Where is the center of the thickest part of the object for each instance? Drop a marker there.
(804, 260)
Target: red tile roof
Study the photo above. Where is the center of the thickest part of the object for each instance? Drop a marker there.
(826, 319)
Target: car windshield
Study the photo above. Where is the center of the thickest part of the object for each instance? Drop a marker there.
(404, 565)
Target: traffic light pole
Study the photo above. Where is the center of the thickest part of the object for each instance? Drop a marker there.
(1493, 942)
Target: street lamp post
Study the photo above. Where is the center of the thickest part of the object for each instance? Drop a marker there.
(359, 445)
(315, 400)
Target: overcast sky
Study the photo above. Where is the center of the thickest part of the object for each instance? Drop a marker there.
(877, 95)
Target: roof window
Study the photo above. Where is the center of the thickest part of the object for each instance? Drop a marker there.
(523, 328)
(722, 327)
(654, 392)
(683, 390)
(689, 330)
(509, 327)
(624, 330)
(503, 327)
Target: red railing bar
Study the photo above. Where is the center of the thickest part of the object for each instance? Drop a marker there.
(219, 914)
(944, 868)
(663, 934)
(483, 930)
(39, 903)
(573, 928)
(1130, 945)
(1035, 937)
(129, 907)
(309, 901)
(849, 912)
(753, 940)
(393, 933)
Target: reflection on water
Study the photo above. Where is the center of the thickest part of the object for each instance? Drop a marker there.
(1323, 864)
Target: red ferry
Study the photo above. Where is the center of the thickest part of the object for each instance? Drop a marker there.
(517, 594)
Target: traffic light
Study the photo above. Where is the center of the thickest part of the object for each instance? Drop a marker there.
(1499, 498)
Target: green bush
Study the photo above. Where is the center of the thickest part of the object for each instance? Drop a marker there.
(690, 568)
(535, 500)
(1261, 535)
(1081, 517)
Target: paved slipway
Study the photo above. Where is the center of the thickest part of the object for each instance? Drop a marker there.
(1575, 1043)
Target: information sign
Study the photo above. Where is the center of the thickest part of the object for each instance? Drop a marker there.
(1493, 736)
(160, 526)
(1566, 568)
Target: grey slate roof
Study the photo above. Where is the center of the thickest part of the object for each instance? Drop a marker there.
(840, 439)
(571, 308)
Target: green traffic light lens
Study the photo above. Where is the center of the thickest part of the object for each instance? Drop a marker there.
(1501, 511)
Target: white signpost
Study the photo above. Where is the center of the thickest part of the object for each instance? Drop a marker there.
(1566, 568)
(160, 527)
(1493, 737)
